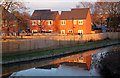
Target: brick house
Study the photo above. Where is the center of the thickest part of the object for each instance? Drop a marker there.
(9, 23)
(76, 21)
(44, 21)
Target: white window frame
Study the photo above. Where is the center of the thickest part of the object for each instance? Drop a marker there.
(80, 31)
(50, 21)
(69, 31)
(10, 34)
(50, 30)
(34, 31)
(3, 25)
(74, 21)
(63, 22)
(80, 22)
(39, 22)
(34, 22)
(5, 22)
(14, 25)
(14, 33)
(3, 34)
(44, 30)
(62, 30)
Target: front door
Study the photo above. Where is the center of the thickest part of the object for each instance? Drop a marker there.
(62, 31)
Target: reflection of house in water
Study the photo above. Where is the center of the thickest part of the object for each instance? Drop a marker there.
(82, 62)
(49, 66)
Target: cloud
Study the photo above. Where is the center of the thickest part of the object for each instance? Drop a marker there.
(56, 6)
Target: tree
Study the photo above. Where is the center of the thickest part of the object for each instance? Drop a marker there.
(10, 7)
(94, 12)
(112, 9)
(104, 10)
(23, 19)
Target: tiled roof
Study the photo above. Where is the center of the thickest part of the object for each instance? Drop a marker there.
(44, 15)
(74, 14)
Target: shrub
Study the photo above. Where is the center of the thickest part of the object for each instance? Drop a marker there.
(109, 64)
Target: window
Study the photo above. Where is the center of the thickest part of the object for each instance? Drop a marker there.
(80, 31)
(50, 30)
(5, 22)
(34, 22)
(10, 34)
(3, 34)
(39, 22)
(43, 31)
(50, 22)
(63, 22)
(74, 21)
(14, 25)
(34, 31)
(62, 31)
(70, 31)
(14, 33)
(80, 22)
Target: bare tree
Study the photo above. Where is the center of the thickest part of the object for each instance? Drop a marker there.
(9, 8)
(111, 9)
(101, 10)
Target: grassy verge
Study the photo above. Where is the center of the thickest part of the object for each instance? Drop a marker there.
(35, 53)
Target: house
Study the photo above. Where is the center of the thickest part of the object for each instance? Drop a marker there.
(9, 23)
(44, 21)
(76, 21)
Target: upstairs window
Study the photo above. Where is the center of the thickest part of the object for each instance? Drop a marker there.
(63, 22)
(74, 21)
(50, 22)
(34, 22)
(39, 22)
(80, 22)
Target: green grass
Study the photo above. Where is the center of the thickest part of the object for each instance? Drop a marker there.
(35, 53)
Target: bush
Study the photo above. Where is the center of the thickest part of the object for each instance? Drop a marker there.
(109, 65)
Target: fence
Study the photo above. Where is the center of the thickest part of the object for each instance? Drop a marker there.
(51, 42)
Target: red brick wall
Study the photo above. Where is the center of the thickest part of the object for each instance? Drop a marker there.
(86, 27)
(88, 23)
(69, 26)
(45, 25)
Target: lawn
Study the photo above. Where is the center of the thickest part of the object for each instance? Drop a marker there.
(38, 52)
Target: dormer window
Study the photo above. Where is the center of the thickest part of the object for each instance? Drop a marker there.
(50, 22)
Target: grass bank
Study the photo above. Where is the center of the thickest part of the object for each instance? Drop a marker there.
(51, 52)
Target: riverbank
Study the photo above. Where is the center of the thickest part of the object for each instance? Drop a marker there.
(37, 54)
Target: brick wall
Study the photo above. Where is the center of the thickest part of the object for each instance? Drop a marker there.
(46, 42)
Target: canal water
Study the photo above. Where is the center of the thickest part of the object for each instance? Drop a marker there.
(80, 64)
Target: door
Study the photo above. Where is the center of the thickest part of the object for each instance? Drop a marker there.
(62, 31)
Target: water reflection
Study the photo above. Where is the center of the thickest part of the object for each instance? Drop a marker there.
(73, 65)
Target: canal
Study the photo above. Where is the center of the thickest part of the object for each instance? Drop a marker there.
(80, 64)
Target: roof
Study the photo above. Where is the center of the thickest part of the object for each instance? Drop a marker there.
(80, 13)
(44, 15)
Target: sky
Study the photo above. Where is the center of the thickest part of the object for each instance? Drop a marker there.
(54, 5)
